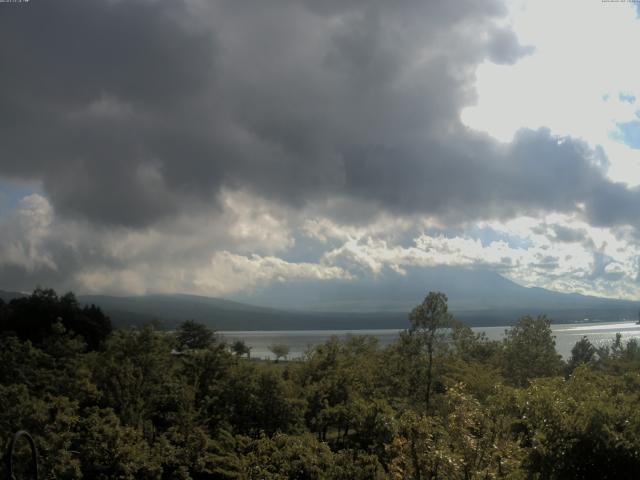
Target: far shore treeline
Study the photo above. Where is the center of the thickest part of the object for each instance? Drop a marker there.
(442, 402)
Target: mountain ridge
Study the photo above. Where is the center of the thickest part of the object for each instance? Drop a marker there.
(477, 297)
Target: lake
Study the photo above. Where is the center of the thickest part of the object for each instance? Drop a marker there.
(299, 341)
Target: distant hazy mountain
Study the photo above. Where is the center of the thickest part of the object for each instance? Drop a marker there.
(170, 310)
(7, 296)
(467, 289)
(477, 297)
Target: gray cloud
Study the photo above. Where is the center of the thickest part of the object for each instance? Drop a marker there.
(504, 48)
(133, 113)
(562, 233)
(95, 99)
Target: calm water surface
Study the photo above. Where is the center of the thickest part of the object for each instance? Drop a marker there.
(299, 341)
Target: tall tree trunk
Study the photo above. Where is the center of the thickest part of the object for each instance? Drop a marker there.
(429, 370)
(416, 460)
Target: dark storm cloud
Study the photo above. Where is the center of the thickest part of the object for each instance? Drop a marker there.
(615, 204)
(130, 112)
(474, 177)
(91, 92)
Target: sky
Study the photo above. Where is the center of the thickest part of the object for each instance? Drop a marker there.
(216, 147)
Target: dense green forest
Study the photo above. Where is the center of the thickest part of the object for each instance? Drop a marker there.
(440, 403)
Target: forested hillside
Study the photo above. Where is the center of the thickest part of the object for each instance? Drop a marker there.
(440, 403)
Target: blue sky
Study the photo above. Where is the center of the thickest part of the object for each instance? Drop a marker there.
(629, 133)
(11, 193)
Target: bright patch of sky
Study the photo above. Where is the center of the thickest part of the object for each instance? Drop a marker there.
(577, 82)
(11, 193)
(488, 235)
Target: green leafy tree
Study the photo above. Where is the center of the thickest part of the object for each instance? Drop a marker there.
(581, 428)
(52, 421)
(132, 373)
(208, 373)
(427, 323)
(110, 450)
(284, 457)
(337, 376)
(193, 336)
(279, 350)
(582, 352)
(530, 351)
(33, 318)
(240, 348)
(466, 441)
(188, 451)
